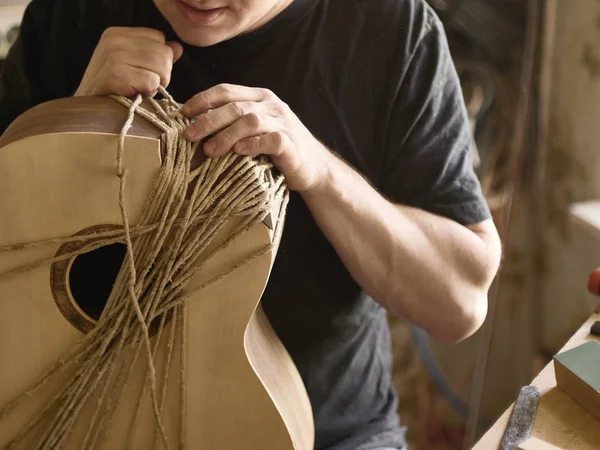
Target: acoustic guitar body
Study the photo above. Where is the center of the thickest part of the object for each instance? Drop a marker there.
(57, 178)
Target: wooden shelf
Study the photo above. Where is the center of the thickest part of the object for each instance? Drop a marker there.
(559, 420)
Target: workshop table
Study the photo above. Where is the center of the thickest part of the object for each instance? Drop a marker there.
(559, 420)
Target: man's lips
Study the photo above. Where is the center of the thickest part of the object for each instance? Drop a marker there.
(200, 14)
(202, 8)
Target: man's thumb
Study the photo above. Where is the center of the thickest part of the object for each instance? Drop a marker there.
(177, 50)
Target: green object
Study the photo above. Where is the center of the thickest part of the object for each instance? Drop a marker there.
(584, 362)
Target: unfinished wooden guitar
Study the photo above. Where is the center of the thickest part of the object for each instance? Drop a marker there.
(57, 178)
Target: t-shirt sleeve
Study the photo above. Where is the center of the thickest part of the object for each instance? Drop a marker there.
(22, 77)
(428, 160)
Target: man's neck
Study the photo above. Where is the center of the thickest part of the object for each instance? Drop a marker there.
(277, 9)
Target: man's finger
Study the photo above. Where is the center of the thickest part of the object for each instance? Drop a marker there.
(136, 81)
(149, 33)
(136, 32)
(157, 60)
(268, 144)
(150, 55)
(249, 125)
(177, 50)
(218, 119)
(220, 95)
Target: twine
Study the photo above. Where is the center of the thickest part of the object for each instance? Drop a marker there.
(164, 251)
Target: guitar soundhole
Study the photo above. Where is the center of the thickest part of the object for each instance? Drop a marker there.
(82, 285)
(92, 276)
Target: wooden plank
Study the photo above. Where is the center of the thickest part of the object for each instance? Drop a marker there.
(559, 421)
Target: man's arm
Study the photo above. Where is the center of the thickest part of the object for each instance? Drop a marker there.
(430, 252)
(427, 268)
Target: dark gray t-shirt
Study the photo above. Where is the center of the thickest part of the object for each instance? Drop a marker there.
(374, 81)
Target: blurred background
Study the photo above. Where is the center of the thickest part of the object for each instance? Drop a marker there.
(530, 71)
(11, 12)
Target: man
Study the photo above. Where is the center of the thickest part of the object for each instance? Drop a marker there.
(359, 105)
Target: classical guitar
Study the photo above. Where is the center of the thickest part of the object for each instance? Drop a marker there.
(201, 368)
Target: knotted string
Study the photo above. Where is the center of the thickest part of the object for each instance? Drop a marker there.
(164, 250)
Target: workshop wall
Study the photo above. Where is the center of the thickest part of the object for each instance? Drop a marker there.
(572, 171)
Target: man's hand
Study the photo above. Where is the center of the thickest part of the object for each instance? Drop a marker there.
(130, 61)
(252, 121)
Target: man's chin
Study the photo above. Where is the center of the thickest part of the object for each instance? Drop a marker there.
(202, 38)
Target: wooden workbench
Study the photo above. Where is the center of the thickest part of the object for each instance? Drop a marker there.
(559, 420)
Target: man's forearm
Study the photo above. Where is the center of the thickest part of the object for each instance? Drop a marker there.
(431, 270)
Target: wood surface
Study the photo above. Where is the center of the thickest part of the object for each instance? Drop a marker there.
(537, 444)
(559, 420)
(75, 115)
(242, 391)
(92, 114)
